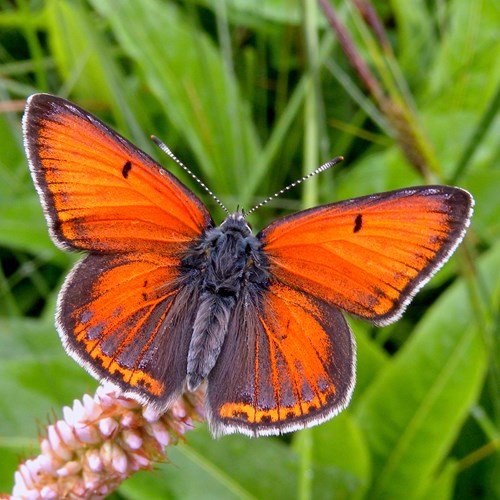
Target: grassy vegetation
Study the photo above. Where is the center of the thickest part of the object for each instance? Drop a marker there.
(251, 95)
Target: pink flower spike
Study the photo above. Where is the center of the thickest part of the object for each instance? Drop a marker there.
(90, 482)
(21, 491)
(25, 475)
(107, 426)
(160, 433)
(105, 397)
(69, 469)
(119, 460)
(46, 464)
(132, 439)
(150, 414)
(106, 453)
(94, 461)
(46, 448)
(57, 445)
(49, 493)
(68, 415)
(178, 410)
(129, 420)
(127, 403)
(142, 461)
(100, 442)
(65, 432)
(92, 408)
(87, 433)
(79, 411)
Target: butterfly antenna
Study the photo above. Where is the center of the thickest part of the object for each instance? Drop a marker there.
(167, 150)
(322, 168)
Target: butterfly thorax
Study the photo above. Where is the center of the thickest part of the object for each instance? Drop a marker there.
(225, 262)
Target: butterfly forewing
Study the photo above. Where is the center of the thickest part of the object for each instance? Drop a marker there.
(100, 192)
(289, 365)
(369, 255)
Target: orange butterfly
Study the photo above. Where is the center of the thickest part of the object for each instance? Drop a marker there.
(165, 300)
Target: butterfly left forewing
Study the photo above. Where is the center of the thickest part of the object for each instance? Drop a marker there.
(369, 255)
(100, 192)
(289, 363)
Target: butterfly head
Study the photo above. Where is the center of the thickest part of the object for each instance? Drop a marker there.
(236, 222)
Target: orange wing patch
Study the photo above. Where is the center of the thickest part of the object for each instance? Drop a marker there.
(369, 255)
(100, 192)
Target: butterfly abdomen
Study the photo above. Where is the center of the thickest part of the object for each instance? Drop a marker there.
(224, 257)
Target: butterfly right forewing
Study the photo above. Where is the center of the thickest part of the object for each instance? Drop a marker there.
(369, 255)
(100, 192)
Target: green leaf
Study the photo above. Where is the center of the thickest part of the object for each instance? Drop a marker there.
(371, 359)
(347, 473)
(483, 185)
(463, 74)
(443, 485)
(416, 37)
(22, 225)
(88, 65)
(416, 407)
(232, 467)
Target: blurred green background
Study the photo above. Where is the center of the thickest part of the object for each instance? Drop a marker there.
(251, 95)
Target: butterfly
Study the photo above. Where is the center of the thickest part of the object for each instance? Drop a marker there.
(165, 301)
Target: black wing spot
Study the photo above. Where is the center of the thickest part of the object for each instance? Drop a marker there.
(126, 168)
(358, 222)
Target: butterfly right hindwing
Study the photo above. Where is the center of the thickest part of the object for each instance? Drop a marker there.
(289, 363)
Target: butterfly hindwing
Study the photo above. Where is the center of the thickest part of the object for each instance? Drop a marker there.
(124, 318)
(288, 364)
(369, 255)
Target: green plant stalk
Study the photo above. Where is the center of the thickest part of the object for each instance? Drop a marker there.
(411, 138)
(304, 446)
(309, 196)
(394, 103)
(311, 108)
(487, 320)
(399, 108)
